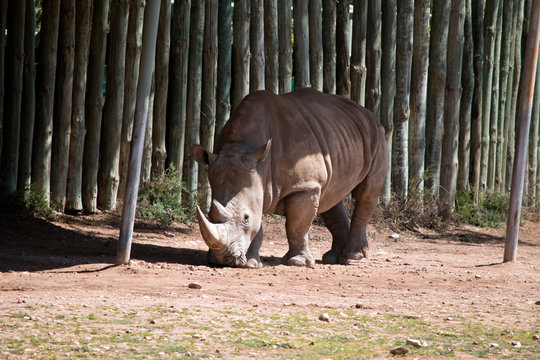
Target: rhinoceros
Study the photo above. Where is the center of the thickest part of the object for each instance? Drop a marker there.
(298, 155)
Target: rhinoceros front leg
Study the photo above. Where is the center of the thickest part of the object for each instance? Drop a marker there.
(300, 209)
(252, 255)
(337, 222)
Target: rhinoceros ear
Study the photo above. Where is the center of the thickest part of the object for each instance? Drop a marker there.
(203, 156)
(259, 154)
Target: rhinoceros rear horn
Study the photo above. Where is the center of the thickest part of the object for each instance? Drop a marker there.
(213, 234)
(219, 213)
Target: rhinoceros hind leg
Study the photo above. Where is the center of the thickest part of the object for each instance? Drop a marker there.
(300, 209)
(337, 222)
(252, 255)
(366, 197)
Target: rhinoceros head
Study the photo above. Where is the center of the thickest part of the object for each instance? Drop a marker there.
(237, 201)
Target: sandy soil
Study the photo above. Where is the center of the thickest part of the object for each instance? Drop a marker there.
(432, 275)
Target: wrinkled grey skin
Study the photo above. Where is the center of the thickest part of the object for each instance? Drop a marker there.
(297, 155)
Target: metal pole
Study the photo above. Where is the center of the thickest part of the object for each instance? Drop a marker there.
(522, 136)
(148, 56)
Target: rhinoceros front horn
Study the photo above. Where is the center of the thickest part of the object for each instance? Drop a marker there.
(213, 234)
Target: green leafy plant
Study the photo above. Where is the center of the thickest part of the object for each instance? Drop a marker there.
(35, 201)
(490, 211)
(159, 199)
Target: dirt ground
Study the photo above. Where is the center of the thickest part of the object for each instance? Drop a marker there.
(427, 274)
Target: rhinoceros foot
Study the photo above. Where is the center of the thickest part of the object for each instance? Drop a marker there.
(330, 257)
(356, 255)
(298, 260)
(254, 263)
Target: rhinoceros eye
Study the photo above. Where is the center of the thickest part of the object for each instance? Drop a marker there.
(246, 217)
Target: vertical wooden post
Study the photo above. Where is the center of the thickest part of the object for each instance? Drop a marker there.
(315, 45)
(13, 100)
(141, 113)
(94, 104)
(28, 98)
(301, 44)
(285, 45)
(256, 41)
(343, 82)
(329, 46)
(223, 89)
(524, 117)
(358, 68)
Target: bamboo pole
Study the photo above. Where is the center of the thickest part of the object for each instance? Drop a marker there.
(524, 119)
(141, 112)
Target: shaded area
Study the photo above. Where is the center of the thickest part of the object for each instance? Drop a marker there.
(465, 236)
(30, 244)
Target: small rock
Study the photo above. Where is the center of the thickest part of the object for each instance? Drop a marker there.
(475, 342)
(394, 236)
(400, 350)
(536, 337)
(342, 314)
(199, 337)
(449, 318)
(477, 276)
(493, 345)
(217, 351)
(324, 317)
(153, 322)
(414, 342)
(516, 344)
(194, 286)
(537, 303)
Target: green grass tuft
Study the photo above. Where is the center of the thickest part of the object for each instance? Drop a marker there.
(491, 210)
(159, 199)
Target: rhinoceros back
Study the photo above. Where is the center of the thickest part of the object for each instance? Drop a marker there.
(316, 139)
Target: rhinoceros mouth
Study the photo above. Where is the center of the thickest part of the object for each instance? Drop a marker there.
(226, 259)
